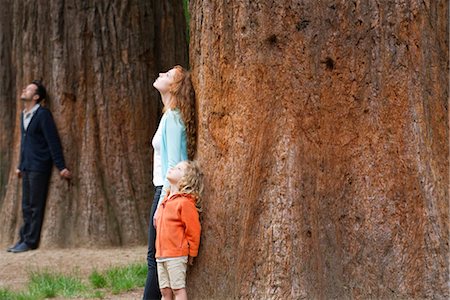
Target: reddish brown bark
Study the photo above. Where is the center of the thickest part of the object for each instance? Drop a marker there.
(7, 107)
(98, 61)
(323, 132)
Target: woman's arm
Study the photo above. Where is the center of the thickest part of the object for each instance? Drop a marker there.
(174, 137)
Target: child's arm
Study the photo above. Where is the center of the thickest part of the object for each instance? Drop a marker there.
(190, 218)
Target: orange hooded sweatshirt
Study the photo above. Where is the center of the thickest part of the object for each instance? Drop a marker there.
(177, 227)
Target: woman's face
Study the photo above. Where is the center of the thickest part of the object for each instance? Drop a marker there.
(163, 82)
(176, 173)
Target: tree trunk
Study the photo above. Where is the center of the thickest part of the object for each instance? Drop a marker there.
(7, 107)
(323, 133)
(98, 60)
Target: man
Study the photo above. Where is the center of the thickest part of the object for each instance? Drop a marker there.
(40, 149)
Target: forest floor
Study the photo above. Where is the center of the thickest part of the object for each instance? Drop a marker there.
(15, 268)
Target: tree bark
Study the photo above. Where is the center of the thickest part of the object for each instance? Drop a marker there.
(7, 107)
(98, 60)
(323, 133)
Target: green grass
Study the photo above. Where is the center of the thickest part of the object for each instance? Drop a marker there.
(46, 284)
(124, 279)
(97, 294)
(97, 280)
(50, 285)
(5, 294)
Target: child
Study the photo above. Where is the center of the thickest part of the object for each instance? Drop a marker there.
(178, 228)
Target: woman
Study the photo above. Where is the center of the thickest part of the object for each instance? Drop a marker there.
(174, 141)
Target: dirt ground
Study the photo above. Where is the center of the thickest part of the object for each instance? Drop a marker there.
(15, 268)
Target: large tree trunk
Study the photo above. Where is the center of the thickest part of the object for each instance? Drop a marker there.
(7, 107)
(324, 139)
(98, 60)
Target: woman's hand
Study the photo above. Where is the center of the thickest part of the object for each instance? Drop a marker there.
(191, 260)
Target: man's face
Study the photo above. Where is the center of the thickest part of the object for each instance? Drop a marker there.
(29, 93)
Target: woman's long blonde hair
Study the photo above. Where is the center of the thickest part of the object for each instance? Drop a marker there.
(183, 98)
(192, 182)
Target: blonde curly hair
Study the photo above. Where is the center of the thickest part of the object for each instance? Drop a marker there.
(192, 182)
(183, 98)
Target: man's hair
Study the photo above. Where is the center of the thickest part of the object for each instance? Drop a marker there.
(40, 90)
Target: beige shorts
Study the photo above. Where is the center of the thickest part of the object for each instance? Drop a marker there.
(172, 273)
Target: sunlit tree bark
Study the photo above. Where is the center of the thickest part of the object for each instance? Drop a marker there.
(327, 126)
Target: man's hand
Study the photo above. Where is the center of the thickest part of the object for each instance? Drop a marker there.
(65, 174)
(18, 173)
(191, 260)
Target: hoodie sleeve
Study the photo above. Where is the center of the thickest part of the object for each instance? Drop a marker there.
(191, 220)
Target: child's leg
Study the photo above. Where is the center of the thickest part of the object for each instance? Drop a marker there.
(180, 294)
(166, 294)
(163, 279)
(176, 269)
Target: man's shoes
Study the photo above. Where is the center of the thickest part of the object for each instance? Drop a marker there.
(13, 247)
(21, 248)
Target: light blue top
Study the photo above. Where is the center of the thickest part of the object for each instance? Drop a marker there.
(173, 144)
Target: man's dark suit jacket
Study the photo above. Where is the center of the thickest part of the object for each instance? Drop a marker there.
(40, 144)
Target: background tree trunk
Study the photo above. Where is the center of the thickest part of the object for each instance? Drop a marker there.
(98, 60)
(7, 107)
(323, 132)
